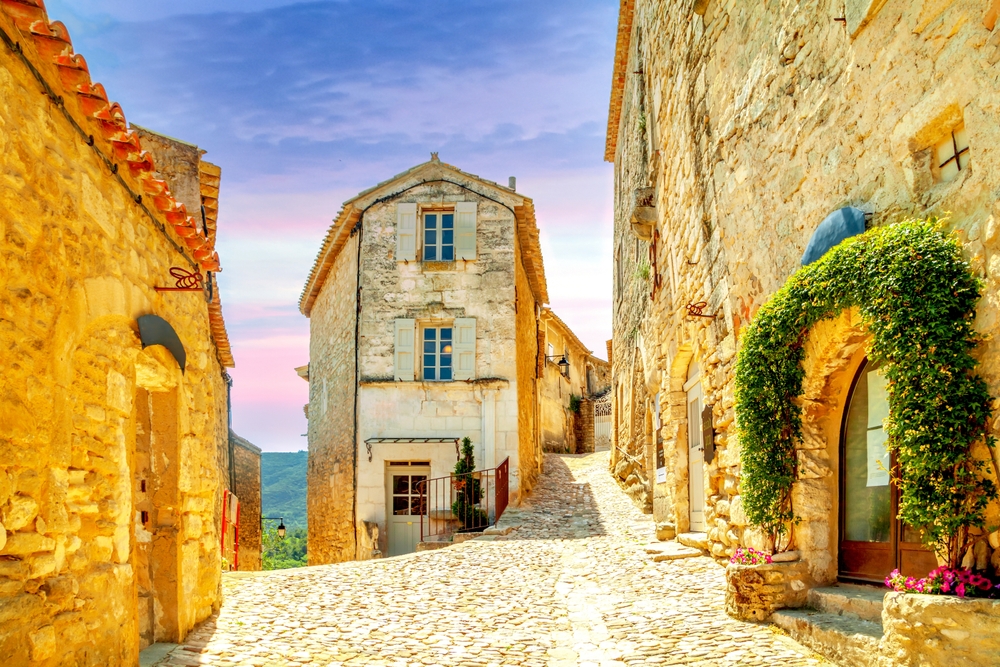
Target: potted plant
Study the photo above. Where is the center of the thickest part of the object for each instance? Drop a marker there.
(757, 584)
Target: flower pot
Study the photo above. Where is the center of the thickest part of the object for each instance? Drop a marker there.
(754, 592)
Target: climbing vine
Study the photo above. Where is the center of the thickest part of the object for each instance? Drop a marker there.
(917, 298)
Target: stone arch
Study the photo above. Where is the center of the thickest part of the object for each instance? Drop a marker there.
(834, 349)
(671, 503)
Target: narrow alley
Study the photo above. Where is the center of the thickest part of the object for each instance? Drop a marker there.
(573, 585)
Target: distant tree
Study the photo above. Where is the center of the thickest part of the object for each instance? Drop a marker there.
(281, 553)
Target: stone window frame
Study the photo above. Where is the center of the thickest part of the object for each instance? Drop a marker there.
(439, 210)
(420, 370)
(916, 139)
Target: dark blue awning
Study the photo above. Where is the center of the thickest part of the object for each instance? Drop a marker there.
(839, 225)
(154, 330)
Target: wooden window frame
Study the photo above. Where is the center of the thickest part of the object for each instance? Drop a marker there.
(440, 212)
(438, 327)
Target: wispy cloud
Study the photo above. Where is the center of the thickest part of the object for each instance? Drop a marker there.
(305, 104)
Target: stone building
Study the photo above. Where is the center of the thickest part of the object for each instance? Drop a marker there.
(565, 389)
(245, 484)
(113, 409)
(735, 129)
(424, 308)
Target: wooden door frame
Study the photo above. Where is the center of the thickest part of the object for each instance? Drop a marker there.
(690, 384)
(895, 545)
(409, 467)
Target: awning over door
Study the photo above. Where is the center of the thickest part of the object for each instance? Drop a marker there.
(419, 441)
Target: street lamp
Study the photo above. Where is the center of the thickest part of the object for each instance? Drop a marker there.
(281, 524)
(563, 363)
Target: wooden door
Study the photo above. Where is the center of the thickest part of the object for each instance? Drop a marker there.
(696, 453)
(872, 541)
(404, 507)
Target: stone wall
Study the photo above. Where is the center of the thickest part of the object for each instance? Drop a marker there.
(526, 309)
(556, 389)
(938, 630)
(90, 519)
(246, 469)
(752, 122)
(333, 380)
(583, 427)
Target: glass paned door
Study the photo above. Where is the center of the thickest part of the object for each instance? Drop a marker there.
(405, 509)
(872, 541)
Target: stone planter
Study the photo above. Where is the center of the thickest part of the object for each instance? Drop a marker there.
(939, 630)
(754, 592)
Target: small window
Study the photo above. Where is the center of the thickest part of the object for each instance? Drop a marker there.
(439, 237)
(437, 343)
(550, 351)
(952, 154)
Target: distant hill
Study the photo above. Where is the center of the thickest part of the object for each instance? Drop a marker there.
(283, 486)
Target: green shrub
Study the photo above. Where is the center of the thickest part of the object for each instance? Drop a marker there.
(917, 298)
(469, 491)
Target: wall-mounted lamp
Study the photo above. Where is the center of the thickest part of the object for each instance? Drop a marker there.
(563, 363)
(281, 524)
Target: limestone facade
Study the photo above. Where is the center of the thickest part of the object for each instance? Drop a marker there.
(112, 454)
(246, 485)
(561, 426)
(424, 308)
(735, 128)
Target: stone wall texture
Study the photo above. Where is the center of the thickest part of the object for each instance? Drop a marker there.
(939, 630)
(246, 471)
(332, 393)
(111, 459)
(751, 122)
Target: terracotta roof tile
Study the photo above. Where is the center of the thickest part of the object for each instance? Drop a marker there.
(626, 13)
(49, 48)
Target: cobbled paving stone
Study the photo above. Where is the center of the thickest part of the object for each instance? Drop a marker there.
(571, 586)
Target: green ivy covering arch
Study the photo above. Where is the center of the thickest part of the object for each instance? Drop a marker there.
(917, 298)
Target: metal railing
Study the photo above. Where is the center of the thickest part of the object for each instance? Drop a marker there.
(465, 503)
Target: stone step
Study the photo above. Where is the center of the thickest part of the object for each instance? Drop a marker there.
(694, 540)
(846, 640)
(864, 602)
(664, 551)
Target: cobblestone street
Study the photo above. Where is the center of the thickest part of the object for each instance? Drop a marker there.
(572, 586)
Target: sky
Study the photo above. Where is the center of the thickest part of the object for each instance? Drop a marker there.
(305, 104)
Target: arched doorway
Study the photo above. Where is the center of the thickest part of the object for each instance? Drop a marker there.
(696, 450)
(872, 541)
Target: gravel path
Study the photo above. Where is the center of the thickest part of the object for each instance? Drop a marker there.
(572, 586)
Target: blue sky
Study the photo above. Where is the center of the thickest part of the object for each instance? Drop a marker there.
(305, 104)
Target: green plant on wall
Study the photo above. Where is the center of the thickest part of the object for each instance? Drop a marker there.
(468, 491)
(574, 403)
(917, 299)
(643, 270)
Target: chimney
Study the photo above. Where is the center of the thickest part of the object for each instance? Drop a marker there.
(512, 183)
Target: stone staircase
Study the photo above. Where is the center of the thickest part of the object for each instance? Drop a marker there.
(841, 622)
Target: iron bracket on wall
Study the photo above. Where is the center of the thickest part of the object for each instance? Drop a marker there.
(697, 310)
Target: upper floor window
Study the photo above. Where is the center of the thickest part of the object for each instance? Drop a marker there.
(437, 342)
(444, 234)
(439, 237)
